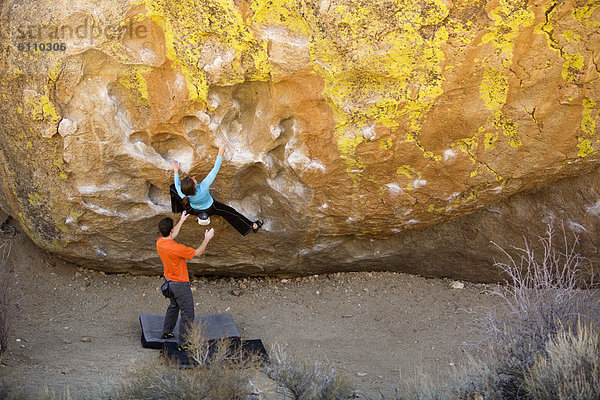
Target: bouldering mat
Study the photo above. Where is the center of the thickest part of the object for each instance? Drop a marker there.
(248, 348)
(216, 326)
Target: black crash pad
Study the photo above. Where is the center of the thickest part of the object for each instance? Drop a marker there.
(216, 326)
(253, 346)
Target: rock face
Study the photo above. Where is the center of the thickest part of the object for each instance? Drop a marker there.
(366, 134)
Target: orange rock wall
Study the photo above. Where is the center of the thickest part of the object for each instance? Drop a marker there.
(347, 123)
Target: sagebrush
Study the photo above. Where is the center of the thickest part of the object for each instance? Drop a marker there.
(220, 374)
(303, 380)
(544, 294)
(224, 373)
(569, 367)
(546, 297)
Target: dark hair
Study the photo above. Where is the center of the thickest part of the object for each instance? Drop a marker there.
(185, 202)
(188, 187)
(164, 226)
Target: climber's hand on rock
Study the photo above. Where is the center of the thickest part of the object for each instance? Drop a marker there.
(175, 166)
(222, 147)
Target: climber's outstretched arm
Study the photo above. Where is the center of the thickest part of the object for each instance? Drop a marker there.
(175, 166)
(213, 173)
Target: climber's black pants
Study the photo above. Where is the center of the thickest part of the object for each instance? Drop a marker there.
(242, 224)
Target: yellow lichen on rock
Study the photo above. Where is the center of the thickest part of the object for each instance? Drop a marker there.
(584, 12)
(286, 13)
(572, 66)
(588, 122)
(195, 29)
(494, 89)
(574, 63)
(588, 126)
(35, 199)
(570, 36)
(40, 107)
(133, 79)
(392, 83)
(509, 18)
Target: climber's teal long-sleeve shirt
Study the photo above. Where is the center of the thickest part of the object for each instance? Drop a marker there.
(202, 199)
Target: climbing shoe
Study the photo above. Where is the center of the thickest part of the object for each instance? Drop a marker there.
(183, 348)
(259, 223)
(203, 218)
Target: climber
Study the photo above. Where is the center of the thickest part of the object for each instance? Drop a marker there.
(173, 256)
(198, 201)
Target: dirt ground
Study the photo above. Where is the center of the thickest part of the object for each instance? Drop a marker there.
(79, 328)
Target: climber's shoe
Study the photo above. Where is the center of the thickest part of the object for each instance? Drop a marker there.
(259, 223)
(184, 348)
(203, 218)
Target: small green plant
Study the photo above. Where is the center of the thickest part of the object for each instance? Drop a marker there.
(307, 380)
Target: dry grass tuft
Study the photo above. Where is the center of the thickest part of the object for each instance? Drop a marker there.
(570, 368)
(221, 374)
(302, 380)
(530, 351)
(8, 297)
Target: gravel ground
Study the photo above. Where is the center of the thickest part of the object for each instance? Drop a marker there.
(79, 329)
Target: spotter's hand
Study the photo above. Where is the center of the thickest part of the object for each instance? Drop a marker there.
(209, 234)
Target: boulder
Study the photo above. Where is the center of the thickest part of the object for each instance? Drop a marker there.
(387, 135)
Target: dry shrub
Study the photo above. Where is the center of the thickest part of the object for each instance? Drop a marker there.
(419, 387)
(474, 382)
(221, 374)
(222, 351)
(570, 368)
(163, 380)
(224, 372)
(50, 394)
(302, 380)
(9, 389)
(8, 298)
(545, 297)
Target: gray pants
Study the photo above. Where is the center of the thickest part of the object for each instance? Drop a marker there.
(183, 300)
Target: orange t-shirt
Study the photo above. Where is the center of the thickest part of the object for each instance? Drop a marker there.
(173, 256)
